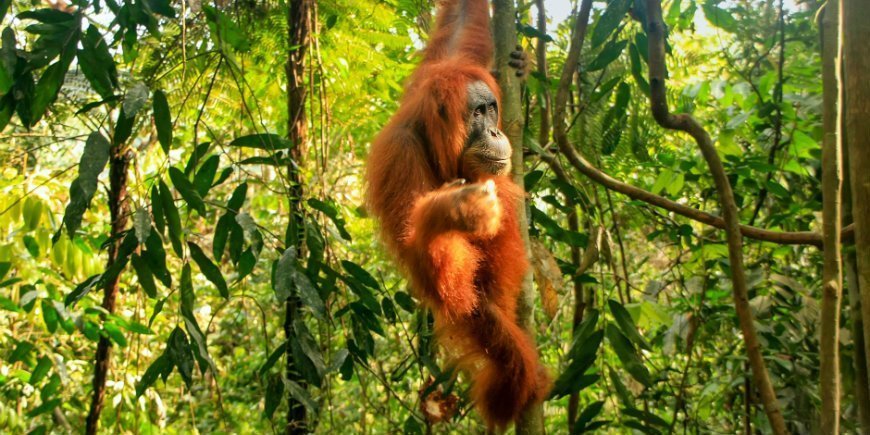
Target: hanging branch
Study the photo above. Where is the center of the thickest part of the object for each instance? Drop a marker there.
(687, 124)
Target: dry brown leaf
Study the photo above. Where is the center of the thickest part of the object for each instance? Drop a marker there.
(548, 277)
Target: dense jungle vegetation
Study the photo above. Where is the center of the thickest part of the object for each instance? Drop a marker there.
(185, 247)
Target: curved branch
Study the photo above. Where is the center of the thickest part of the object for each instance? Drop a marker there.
(685, 123)
(586, 168)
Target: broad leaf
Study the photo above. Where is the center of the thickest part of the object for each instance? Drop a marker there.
(82, 189)
(211, 272)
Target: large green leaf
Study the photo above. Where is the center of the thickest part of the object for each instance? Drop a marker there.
(205, 175)
(211, 272)
(289, 281)
(82, 189)
(143, 273)
(97, 63)
(161, 367)
(162, 120)
(264, 141)
(628, 355)
(609, 21)
(187, 191)
(173, 220)
(179, 351)
(608, 54)
(626, 324)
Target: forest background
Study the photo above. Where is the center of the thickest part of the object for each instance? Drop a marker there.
(184, 245)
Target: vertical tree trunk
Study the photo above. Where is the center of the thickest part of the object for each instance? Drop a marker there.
(859, 360)
(578, 35)
(541, 56)
(832, 275)
(854, 34)
(299, 27)
(119, 162)
(505, 38)
(730, 214)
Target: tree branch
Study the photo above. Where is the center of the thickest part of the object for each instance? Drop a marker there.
(687, 124)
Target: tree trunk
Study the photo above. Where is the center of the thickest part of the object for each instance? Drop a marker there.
(832, 275)
(687, 124)
(855, 32)
(119, 210)
(541, 56)
(505, 38)
(299, 26)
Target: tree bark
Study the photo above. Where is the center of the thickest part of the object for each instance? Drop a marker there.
(560, 134)
(541, 56)
(854, 34)
(505, 39)
(299, 28)
(119, 211)
(730, 215)
(832, 274)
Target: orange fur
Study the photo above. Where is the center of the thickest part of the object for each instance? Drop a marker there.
(460, 244)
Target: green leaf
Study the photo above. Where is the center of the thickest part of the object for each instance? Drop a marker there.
(97, 63)
(273, 358)
(162, 7)
(288, 278)
(187, 191)
(50, 389)
(274, 394)
(221, 234)
(609, 21)
(331, 211)
(141, 224)
(626, 324)
(135, 99)
(647, 417)
(200, 347)
(82, 189)
(718, 16)
(49, 315)
(237, 199)
(205, 176)
(265, 141)
(47, 88)
(211, 272)
(360, 274)
(157, 210)
(162, 120)
(224, 30)
(777, 189)
(179, 351)
(608, 54)
(628, 356)
(155, 255)
(143, 273)
(31, 245)
(4, 268)
(43, 365)
(173, 220)
(302, 395)
(589, 413)
(81, 290)
(161, 367)
(404, 300)
(247, 261)
(115, 334)
(187, 295)
(195, 157)
(123, 128)
(572, 379)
